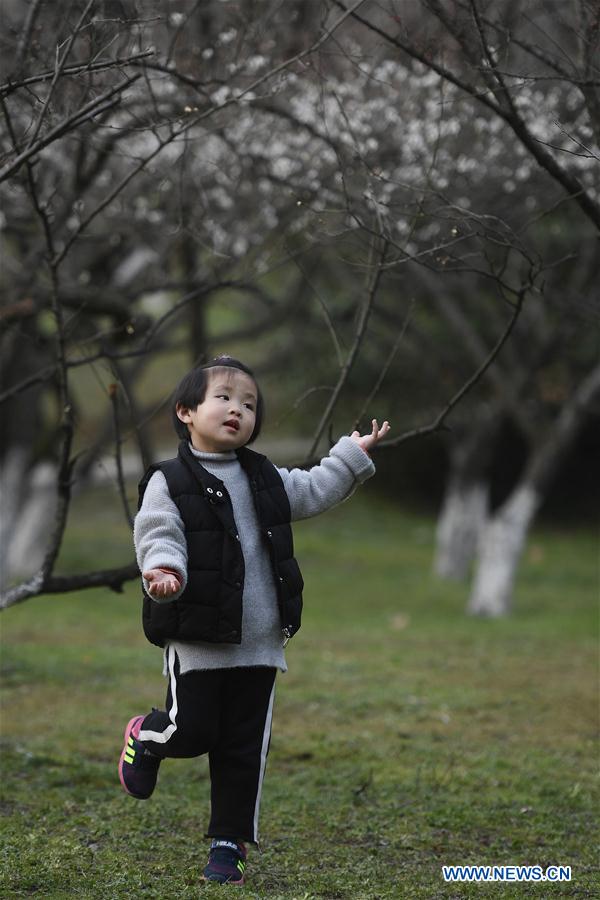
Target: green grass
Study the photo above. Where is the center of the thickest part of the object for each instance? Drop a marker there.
(406, 734)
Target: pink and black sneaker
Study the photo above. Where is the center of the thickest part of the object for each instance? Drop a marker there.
(138, 768)
(226, 862)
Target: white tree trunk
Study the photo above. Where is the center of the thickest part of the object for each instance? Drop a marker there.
(503, 539)
(499, 552)
(12, 478)
(28, 541)
(461, 521)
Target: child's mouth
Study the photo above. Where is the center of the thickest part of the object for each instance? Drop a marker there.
(232, 424)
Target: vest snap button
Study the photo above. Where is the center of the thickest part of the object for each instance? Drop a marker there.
(219, 493)
(269, 534)
(209, 490)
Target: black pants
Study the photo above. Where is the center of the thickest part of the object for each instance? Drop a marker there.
(227, 714)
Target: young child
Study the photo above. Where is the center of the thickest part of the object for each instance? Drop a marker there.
(223, 594)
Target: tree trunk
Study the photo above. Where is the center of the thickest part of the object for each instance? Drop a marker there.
(503, 539)
(13, 471)
(499, 551)
(463, 515)
(28, 542)
(465, 506)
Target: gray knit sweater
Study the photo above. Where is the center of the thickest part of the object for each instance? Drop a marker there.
(160, 542)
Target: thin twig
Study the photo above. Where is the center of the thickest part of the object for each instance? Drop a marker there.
(89, 111)
(436, 425)
(569, 182)
(299, 400)
(59, 67)
(358, 338)
(10, 86)
(25, 35)
(114, 400)
(325, 311)
(213, 108)
(385, 369)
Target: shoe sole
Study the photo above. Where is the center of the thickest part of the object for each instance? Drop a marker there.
(128, 729)
(216, 881)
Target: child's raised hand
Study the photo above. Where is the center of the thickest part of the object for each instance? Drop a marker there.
(161, 582)
(367, 441)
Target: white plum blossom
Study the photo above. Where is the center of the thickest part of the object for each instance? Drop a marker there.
(372, 134)
(283, 167)
(240, 246)
(254, 63)
(226, 37)
(220, 95)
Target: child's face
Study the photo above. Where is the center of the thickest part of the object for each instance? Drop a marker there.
(225, 419)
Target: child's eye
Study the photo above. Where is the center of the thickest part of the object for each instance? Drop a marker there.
(223, 396)
(249, 406)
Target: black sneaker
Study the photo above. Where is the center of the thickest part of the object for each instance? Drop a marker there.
(226, 862)
(138, 769)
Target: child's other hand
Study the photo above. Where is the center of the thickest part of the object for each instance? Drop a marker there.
(367, 441)
(161, 582)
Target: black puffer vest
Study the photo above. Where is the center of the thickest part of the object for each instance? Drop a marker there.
(210, 608)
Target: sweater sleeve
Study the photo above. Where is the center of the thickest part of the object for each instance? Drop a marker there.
(159, 536)
(332, 481)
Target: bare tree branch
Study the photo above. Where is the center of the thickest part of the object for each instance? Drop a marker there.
(102, 65)
(113, 394)
(25, 36)
(94, 108)
(374, 277)
(316, 162)
(437, 424)
(325, 311)
(568, 181)
(60, 64)
(380, 379)
(60, 584)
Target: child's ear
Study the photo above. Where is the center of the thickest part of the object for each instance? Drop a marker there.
(183, 413)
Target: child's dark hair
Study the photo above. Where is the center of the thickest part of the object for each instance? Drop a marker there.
(191, 391)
